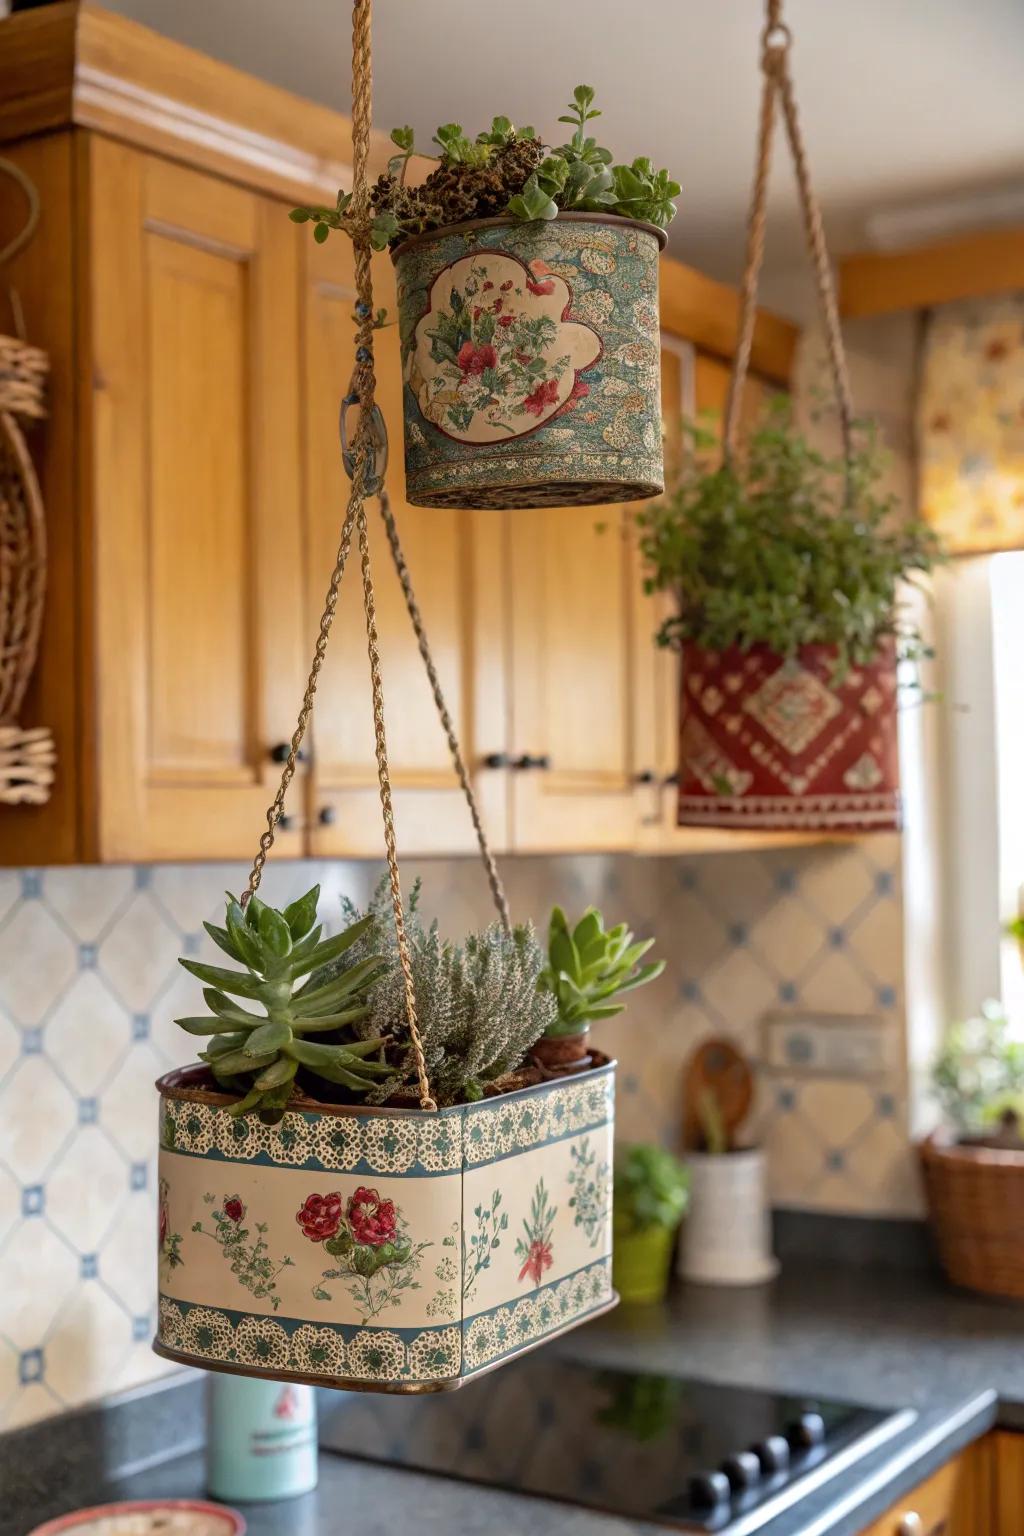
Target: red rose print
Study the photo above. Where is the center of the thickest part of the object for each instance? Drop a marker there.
(164, 1225)
(579, 389)
(477, 311)
(474, 357)
(507, 320)
(538, 1259)
(234, 1210)
(548, 286)
(320, 1216)
(506, 286)
(488, 285)
(372, 1221)
(545, 394)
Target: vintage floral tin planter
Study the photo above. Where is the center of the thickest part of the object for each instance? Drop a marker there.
(531, 362)
(770, 742)
(386, 1249)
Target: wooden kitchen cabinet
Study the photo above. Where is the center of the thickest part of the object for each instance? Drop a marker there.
(960, 1499)
(200, 343)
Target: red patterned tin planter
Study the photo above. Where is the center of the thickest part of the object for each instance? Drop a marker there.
(531, 362)
(767, 741)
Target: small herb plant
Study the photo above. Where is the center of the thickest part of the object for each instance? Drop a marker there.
(478, 1005)
(784, 548)
(979, 1075)
(589, 967)
(260, 1056)
(650, 1189)
(504, 171)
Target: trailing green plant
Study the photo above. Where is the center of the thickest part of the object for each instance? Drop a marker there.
(978, 1075)
(503, 170)
(478, 1006)
(785, 547)
(588, 967)
(261, 1056)
(651, 1189)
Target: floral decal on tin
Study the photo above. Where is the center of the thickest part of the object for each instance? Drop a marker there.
(484, 1241)
(169, 1242)
(245, 1249)
(497, 353)
(589, 1183)
(534, 1247)
(378, 1261)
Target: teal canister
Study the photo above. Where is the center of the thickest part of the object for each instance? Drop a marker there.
(261, 1440)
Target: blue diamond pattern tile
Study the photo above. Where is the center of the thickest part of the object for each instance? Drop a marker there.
(885, 1106)
(31, 1366)
(836, 938)
(835, 1161)
(87, 1111)
(141, 1025)
(31, 1042)
(690, 990)
(191, 943)
(686, 875)
(142, 1328)
(787, 992)
(143, 878)
(786, 881)
(90, 1266)
(33, 1200)
(87, 957)
(31, 885)
(785, 1101)
(738, 934)
(886, 996)
(139, 1177)
(884, 883)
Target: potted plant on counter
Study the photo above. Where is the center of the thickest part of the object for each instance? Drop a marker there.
(528, 312)
(785, 571)
(974, 1167)
(650, 1198)
(588, 968)
(327, 1228)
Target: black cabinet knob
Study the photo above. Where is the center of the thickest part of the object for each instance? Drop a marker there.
(529, 761)
(743, 1470)
(279, 754)
(708, 1490)
(328, 816)
(497, 760)
(645, 777)
(807, 1431)
(772, 1453)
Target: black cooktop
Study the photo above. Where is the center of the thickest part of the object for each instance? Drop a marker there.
(679, 1452)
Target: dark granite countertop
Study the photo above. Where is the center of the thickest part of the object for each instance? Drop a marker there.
(885, 1337)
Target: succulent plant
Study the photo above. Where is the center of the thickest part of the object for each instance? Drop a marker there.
(259, 1055)
(590, 965)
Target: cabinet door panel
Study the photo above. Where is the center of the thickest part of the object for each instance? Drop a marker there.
(572, 614)
(454, 561)
(194, 493)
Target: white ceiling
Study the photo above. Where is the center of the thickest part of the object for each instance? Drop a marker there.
(902, 100)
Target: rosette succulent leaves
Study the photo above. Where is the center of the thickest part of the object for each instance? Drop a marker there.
(259, 1055)
(588, 967)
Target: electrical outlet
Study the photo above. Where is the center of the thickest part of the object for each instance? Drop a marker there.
(829, 1044)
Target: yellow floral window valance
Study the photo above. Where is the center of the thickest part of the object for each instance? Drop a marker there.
(971, 425)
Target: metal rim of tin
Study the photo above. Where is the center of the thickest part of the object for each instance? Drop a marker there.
(616, 220)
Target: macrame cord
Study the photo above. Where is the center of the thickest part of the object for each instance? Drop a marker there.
(365, 461)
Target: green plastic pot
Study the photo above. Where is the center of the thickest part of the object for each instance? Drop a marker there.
(641, 1262)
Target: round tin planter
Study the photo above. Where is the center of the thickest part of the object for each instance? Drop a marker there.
(382, 1249)
(772, 742)
(531, 362)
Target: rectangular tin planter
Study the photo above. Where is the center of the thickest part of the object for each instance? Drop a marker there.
(531, 361)
(382, 1249)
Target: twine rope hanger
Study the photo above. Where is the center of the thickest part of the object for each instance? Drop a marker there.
(776, 41)
(365, 465)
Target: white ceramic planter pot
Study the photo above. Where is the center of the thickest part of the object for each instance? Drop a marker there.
(726, 1237)
(387, 1249)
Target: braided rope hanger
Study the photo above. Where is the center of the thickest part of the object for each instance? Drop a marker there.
(776, 40)
(362, 464)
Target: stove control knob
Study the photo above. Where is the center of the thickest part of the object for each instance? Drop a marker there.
(806, 1432)
(772, 1453)
(743, 1470)
(709, 1490)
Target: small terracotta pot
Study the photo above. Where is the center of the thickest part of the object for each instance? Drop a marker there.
(772, 742)
(562, 1051)
(531, 362)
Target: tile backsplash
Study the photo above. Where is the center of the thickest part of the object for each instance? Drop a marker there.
(89, 989)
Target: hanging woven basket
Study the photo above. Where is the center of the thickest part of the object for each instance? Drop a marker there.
(27, 755)
(586, 426)
(772, 742)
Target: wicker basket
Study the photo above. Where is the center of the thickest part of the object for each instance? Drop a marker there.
(976, 1203)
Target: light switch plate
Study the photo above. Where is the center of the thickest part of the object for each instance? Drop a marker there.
(829, 1044)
